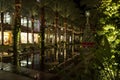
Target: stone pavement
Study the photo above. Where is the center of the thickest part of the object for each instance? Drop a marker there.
(7, 72)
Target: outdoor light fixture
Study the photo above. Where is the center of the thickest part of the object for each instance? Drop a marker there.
(38, 0)
(87, 13)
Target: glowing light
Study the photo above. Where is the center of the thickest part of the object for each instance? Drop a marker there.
(24, 63)
(87, 13)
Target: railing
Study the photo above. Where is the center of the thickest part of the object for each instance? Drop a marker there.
(67, 63)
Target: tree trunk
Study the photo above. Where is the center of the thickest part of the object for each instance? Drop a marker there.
(2, 30)
(27, 30)
(65, 31)
(56, 33)
(16, 32)
(32, 30)
(42, 30)
(73, 41)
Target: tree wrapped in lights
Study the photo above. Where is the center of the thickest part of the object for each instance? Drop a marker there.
(16, 32)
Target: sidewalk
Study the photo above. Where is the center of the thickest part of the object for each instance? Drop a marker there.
(11, 76)
(28, 74)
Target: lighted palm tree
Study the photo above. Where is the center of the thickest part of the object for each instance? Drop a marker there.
(16, 32)
(49, 17)
(66, 13)
(42, 5)
(56, 7)
(75, 19)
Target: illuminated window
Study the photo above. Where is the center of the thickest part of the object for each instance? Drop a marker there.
(30, 24)
(30, 38)
(62, 38)
(23, 37)
(7, 18)
(24, 21)
(36, 38)
(36, 25)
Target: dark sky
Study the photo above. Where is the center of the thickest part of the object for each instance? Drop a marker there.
(82, 8)
(86, 4)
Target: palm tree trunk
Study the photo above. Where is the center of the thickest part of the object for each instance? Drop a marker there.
(16, 32)
(42, 17)
(72, 41)
(56, 28)
(2, 30)
(47, 35)
(32, 29)
(27, 30)
(2, 35)
(56, 33)
(65, 31)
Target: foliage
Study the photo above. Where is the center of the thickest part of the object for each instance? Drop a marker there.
(107, 54)
(110, 12)
(105, 63)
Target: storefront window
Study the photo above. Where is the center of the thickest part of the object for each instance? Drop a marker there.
(7, 38)
(24, 37)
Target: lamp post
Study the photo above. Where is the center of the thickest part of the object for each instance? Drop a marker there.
(87, 36)
(87, 13)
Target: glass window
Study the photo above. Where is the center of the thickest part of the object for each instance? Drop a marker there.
(7, 18)
(24, 21)
(36, 38)
(36, 25)
(23, 37)
(30, 24)
(30, 38)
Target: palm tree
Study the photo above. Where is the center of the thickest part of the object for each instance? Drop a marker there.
(49, 18)
(66, 13)
(42, 5)
(2, 32)
(2, 19)
(56, 7)
(72, 21)
(16, 32)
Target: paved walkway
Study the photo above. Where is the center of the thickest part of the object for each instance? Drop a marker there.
(11, 76)
(7, 73)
